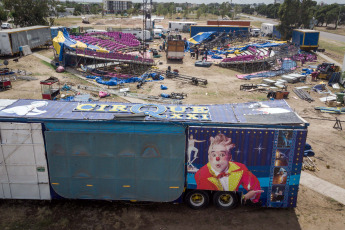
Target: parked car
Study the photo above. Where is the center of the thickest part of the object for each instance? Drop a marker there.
(6, 26)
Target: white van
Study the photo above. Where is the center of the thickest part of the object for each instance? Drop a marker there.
(157, 33)
(255, 32)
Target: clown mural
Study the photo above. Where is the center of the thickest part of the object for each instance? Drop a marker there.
(222, 174)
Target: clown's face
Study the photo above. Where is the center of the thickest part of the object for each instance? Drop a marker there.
(219, 158)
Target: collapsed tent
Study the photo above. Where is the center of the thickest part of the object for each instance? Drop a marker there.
(113, 81)
(200, 37)
(286, 66)
(63, 40)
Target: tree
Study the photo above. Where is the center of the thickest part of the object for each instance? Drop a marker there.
(160, 9)
(288, 17)
(198, 13)
(3, 14)
(306, 12)
(28, 12)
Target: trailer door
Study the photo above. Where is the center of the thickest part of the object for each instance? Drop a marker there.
(5, 45)
(23, 165)
(143, 162)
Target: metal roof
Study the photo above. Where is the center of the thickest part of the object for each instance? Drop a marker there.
(276, 112)
(23, 29)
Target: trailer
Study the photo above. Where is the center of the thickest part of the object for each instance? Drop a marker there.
(181, 26)
(139, 34)
(234, 30)
(175, 47)
(267, 29)
(249, 153)
(306, 39)
(33, 36)
(228, 23)
(276, 34)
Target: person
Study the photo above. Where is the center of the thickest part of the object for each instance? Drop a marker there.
(120, 35)
(164, 45)
(191, 148)
(196, 53)
(283, 174)
(222, 174)
(205, 54)
(269, 51)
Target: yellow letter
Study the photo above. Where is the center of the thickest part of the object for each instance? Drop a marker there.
(176, 116)
(117, 108)
(102, 107)
(204, 117)
(191, 116)
(198, 109)
(81, 107)
(177, 109)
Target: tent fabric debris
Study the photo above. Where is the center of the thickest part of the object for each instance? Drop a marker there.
(149, 77)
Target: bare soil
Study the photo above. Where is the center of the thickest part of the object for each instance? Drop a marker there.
(313, 211)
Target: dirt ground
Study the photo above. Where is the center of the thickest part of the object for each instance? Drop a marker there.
(313, 211)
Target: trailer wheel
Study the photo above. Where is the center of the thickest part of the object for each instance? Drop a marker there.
(225, 200)
(197, 199)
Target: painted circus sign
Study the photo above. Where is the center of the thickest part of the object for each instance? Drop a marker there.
(171, 112)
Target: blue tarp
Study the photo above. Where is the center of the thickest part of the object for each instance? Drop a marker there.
(116, 81)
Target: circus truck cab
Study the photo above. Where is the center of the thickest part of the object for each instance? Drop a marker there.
(249, 153)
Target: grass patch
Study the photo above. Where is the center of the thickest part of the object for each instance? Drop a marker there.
(336, 48)
(256, 24)
(340, 31)
(48, 64)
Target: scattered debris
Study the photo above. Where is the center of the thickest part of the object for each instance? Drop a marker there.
(303, 95)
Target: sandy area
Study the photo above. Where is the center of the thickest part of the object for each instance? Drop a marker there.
(313, 211)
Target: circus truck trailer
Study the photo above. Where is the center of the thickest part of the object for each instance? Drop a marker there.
(180, 26)
(267, 29)
(249, 153)
(12, 40)
(306, 39)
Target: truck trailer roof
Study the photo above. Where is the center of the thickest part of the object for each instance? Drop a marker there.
(276, 112)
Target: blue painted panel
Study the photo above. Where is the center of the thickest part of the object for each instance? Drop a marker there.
(267, 159)
(311, 39)
(124, 161)
(238, 30)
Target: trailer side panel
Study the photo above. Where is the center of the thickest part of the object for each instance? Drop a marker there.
(116, 162)
(267, 159)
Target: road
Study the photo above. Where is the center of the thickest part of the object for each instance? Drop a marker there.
(324, 35)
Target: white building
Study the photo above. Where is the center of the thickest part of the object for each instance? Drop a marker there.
(114, 6)
(279, 1)
(179, 9)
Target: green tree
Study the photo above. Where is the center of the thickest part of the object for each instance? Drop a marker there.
(288, 17)
(306, 12)
(160, 9)
(3, 14)
(198, 13)
(28, 12)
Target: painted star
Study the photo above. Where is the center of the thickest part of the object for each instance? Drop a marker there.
(259, 148)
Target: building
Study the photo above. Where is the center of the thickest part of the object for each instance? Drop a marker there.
(179, 9)
(279, 1)
(111, 6)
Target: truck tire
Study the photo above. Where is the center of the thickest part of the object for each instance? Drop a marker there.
(197, 199)
(225, 200)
